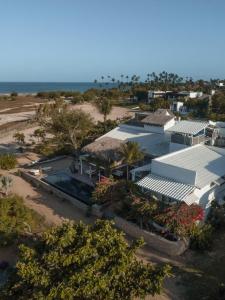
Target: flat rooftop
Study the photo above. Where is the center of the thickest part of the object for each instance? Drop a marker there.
(208, 162)
(151, 143)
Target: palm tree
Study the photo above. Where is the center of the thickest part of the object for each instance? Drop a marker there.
(104, 105)
(131, 153)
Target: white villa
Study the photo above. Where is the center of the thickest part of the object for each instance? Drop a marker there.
(193, 175)
(180, 165)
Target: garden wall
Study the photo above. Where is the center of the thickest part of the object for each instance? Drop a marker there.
(51, 189)
(154, 241)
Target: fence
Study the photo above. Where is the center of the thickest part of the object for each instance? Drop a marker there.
(51, 189)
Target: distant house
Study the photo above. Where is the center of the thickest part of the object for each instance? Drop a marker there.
(152, 95)
(173, 96)
(179, 107)
(193, 175)
(220, 84)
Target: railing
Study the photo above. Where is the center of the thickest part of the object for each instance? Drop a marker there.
(187, 140)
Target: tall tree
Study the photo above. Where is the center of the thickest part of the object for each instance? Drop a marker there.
(70, 127)
(131, 153)
(104, 106)
(76, 261)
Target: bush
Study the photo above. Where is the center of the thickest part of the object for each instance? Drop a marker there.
(7, 161)
(201, 237)
(16, 219)
(14, 94)
(216, 216)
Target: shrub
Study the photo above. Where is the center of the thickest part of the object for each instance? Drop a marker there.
(201, 237)
(180, 218)
(216, 215)
(7, 161)
(16, 219)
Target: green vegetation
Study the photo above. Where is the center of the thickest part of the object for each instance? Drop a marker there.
(16, 220)
(19, 138)
(40, 134)
(7, 161)
(104, 106)
(76, 261)
(68, 127)
(131, 153)
(5, 184)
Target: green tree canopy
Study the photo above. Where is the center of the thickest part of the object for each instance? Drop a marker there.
(19, 137)
(104, 106)
(131, 153)
(76, 261)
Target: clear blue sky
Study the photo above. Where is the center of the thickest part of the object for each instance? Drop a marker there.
(80, 40)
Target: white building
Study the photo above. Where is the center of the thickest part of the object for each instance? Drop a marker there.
(152, 95)
(149, 131)
(178, 106)
(193, 175)
(220, 84)
(190, 94)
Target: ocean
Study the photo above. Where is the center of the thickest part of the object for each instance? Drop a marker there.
(35, 87)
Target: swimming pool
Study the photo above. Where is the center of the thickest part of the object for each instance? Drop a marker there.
(71, 186)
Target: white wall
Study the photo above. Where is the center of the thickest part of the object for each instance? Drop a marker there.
(155, 129)
(159, 129)
(175, 147)
(173, 172)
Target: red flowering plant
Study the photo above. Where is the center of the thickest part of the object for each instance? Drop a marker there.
(110, 192)
(180, 218)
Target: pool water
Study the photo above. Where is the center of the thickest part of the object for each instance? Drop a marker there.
(71, 186)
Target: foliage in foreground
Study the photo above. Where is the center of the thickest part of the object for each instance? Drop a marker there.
(180, 218)
(7, 161)
(16, 219)
(76, 261)
(201, 237)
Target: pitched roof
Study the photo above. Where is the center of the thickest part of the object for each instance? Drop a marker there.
(165, 186)
(188, 127)
(104, 148)
(208, 162)
(160, 117)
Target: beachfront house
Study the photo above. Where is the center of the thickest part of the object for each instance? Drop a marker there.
(192, 175)
(147, 129)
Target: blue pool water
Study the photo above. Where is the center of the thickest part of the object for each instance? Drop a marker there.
(71, 186)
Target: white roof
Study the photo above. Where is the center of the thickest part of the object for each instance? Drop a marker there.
(167, 187)
(151, 143)
(208, 162)
(188, 127)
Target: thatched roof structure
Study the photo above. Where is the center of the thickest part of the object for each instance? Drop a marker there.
(159, 118)
(106, 148)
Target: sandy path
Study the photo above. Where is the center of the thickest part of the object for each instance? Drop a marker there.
(21, 116)
(116, 113)
(53, 209)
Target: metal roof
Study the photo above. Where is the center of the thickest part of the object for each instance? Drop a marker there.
(152, 143)
(165, 186)
(207, 161)
(188, 127)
